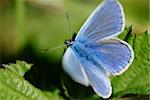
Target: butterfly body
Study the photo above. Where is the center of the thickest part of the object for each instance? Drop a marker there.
(96, 53)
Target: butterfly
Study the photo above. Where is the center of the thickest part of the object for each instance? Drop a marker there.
(97, 53)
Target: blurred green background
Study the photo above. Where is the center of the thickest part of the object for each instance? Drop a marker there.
(30, 26)
(43, 23)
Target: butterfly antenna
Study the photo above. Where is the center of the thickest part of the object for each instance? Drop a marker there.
(68, 20)
(53, 49)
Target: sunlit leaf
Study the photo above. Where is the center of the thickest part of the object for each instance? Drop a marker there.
(15, 87)
(19, 68)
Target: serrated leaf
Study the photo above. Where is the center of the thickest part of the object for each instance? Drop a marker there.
(15, 87)
(19, 68)
(136, 79)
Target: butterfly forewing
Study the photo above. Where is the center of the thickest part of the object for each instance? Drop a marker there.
(105, 22)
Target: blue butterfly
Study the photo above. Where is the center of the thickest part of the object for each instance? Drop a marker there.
(96, 53)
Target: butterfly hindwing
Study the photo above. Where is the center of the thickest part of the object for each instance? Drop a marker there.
(98, 79)
(115, 54)
(106, 21)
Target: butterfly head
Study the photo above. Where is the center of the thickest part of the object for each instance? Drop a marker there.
(69, 42)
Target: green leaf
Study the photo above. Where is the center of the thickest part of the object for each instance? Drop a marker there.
(136, 79)
(15, 87)
(19, 68)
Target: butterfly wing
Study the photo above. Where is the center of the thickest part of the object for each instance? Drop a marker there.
(98, 79)
(106, 21)
(73, 67)
(115, 54)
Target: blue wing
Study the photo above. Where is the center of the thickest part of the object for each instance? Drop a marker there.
(73, 67)
(115, 55)
(106, 21)
(98, 79)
